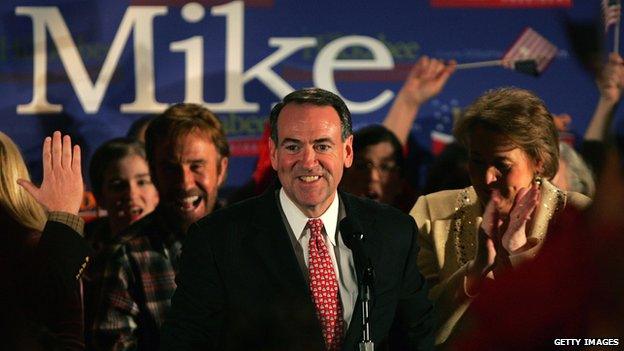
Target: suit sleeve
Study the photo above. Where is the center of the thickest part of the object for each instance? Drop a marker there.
(196, 318)
(415, 311)
(61, 256)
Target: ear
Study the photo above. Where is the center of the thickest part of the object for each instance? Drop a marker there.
(273, 153)
(222, 176)
(539, 167)
(348, 151)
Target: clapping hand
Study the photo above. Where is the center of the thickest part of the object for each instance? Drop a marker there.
(498, 237)
(62, 186)
(514, 236)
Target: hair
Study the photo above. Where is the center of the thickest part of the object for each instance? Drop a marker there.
(15, 200)
(180, 120)
(578, 176)
(317, 97)
(109, 152)
(375, 134)
(519, 115)
(449, 170)
(143, 122)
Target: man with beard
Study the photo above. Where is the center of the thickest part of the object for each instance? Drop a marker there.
(280, 271)
(188, 156)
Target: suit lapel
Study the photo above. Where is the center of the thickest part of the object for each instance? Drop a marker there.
(372, 243)
(270, 241)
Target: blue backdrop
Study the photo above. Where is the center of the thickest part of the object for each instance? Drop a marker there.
(246, 55)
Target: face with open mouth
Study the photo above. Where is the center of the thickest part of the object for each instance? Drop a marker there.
(310, 155)
(189, 171)
(374, 174)
(128, 193)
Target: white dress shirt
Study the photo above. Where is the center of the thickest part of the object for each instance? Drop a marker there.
(340, 254)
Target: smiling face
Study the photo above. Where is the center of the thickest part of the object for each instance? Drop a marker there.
(188, 173)
(127, 191)
(310, 155)
(496, 163)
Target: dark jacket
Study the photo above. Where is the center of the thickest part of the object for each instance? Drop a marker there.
(240, 286)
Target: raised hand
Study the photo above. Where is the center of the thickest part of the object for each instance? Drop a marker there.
(426, 79)
(62, 186)
(611, 80)
(514, 236)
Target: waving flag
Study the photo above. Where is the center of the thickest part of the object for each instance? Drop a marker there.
(530, 47)
(530, 54)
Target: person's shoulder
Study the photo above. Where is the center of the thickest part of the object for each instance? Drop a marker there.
(374, 210)
(441, 204)
(577, 200)
(239, 211)
(225, 225)
(564, 198)
(138, 234)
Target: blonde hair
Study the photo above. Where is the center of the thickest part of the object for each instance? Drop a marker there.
(14, 200)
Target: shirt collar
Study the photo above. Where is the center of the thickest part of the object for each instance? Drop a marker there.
(298, 221)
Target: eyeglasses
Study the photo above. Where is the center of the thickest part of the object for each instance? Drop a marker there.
(383, 168)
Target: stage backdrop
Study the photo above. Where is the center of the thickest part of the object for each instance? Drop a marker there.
(90, 68)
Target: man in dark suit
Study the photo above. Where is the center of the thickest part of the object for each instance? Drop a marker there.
(274, 273)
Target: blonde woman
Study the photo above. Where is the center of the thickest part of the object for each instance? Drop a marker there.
(41, 255)
(17, 208)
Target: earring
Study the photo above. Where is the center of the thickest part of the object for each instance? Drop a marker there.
(537, 180)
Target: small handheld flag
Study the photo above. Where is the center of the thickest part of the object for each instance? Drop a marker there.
(530, 54)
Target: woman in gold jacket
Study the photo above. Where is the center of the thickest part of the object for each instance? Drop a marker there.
(471, 235)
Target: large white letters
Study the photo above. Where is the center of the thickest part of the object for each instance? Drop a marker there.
(139, 18)
(327, 61)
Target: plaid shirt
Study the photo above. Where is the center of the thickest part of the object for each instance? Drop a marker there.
(137, 286)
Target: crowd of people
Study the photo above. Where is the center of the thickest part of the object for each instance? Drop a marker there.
(283, 264)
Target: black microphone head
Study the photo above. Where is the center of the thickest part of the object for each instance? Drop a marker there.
(350, 231)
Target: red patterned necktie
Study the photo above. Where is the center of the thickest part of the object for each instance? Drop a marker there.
(324, 287)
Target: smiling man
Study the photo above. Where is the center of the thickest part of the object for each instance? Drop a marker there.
(274, 273)
(188, 156)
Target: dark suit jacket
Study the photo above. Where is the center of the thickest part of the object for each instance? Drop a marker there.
(40, 303)
(240, 286)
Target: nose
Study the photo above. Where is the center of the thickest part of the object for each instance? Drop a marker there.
(185, 178)
(491, 175)
(133, 192)
(374, 174)
(308, 160)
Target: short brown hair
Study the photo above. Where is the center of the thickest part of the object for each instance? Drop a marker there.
(317, 97)
(182, 119)
(519, 115)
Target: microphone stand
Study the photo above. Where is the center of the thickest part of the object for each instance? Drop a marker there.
(353, 236)
(366, 284)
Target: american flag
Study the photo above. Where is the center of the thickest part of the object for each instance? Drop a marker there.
(611, 10)
(530, 45)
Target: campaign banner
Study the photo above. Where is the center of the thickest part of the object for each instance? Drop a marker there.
(90, 68)
(502, 3)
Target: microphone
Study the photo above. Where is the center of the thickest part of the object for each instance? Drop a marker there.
(352, 233)
(353, 236)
